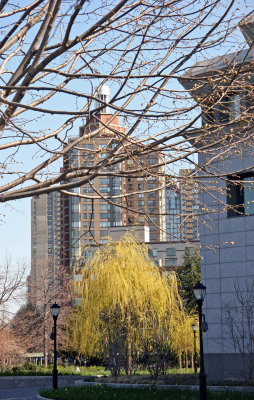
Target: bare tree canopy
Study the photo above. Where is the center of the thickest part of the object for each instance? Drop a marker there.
(56, 55)
(12, 287)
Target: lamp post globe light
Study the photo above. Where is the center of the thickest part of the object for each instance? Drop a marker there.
(194, 328)
(199, 293)
(55, 310)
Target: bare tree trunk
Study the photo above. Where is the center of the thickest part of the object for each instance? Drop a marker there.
(45, 340)
(129, 357)
(192, 361)
(186, 361)
(180, 360)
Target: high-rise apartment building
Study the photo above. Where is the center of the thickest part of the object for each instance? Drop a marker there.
(189, 205)
(64, 225)
(113, 198)
(45, 243)
(173, 211)
(182, 208)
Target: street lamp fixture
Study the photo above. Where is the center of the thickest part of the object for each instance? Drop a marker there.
(199, 293)
(194, 328)
(55, 310)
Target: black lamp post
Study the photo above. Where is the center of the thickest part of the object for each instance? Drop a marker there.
(194, 328)
(55, 309)
(199, 293)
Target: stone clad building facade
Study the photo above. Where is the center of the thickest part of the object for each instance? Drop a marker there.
(227, 236)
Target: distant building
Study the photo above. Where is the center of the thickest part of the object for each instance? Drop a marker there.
(63, 225)
(45, 243)
(173, 211)
(166, 255)
(182, 208)
(86, 220)
(189, 205)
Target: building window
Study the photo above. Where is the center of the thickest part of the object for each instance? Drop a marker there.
(104, 181)
(117, 223)
(87, 146)
(151, 185)
(103, 155)
(229, 107)
(104, 207)
(104, 224)
(170, 261)
(103, 233)
(240, 195)
(189, 250)
(171, 251)
(104, 215)
(105, 189)
(153, 236)
(152, 252)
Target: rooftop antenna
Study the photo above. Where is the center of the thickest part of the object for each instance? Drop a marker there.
(103, 95)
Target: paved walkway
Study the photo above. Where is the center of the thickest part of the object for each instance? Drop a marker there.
(27, 387)
(13, 382)
(19, 393)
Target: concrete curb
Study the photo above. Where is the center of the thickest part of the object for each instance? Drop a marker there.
(180, 387)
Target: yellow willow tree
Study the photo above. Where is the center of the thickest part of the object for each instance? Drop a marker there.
(184, 342)
(126, 305)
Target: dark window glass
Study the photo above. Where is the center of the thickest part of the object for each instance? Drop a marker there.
(240, 195)
(171, 251)
(170, 261)
(229, 108)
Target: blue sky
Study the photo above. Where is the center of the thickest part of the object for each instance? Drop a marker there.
(15, 231)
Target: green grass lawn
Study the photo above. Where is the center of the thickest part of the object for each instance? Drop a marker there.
(106, 393)
(32, 369)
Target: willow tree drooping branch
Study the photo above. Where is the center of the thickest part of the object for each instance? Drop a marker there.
(126, 305)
